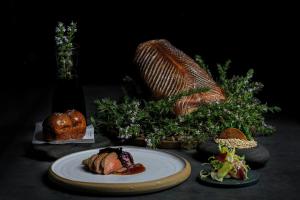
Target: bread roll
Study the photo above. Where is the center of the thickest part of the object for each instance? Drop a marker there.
(64, 126)
(78, 124)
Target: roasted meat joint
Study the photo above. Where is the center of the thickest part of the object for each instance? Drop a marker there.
(168, 71)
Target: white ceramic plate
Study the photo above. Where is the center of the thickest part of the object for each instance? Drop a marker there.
(163, 170)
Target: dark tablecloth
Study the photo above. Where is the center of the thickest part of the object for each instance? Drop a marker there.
(24, 177)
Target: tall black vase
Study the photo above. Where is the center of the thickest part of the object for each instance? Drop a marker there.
(68, 94)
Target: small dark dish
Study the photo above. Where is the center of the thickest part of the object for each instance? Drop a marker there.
(253, 178)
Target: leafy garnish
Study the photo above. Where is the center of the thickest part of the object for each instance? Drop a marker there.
(230, 166)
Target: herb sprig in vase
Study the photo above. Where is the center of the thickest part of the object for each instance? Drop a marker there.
(68, 93)
(65, 50)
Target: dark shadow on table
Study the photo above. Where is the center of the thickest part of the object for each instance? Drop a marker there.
(33, 154)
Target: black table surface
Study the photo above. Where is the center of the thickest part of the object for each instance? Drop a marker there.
(24, 177)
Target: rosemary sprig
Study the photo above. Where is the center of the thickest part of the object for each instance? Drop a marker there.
(64, 43)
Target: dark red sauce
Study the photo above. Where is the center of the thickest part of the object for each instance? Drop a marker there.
(221, 157)
(134, 169)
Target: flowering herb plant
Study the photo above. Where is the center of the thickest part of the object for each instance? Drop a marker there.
(155, 120)
(65, 50)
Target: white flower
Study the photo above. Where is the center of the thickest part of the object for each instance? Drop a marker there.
(65, 39)
(123, 133)
(60, 24)
(148, 142)
(136, 104)
(134, 113)
(181, 119)
(60, 27)
(197, 132)
(132, 119)
(58, 40)
(62, 61)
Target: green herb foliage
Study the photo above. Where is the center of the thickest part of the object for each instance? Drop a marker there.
(64, 43)
(155, 120)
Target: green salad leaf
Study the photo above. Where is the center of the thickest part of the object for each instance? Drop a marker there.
(226, 165)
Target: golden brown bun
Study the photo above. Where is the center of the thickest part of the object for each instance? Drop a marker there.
(64, 126)
(232, 133)
(78, 124)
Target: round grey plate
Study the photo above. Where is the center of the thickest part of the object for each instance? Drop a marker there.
(163, 170)
(253, 178)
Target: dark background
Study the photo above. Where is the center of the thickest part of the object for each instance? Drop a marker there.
(263, 37)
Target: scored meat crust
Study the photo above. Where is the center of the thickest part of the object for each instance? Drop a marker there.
(168, 71)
